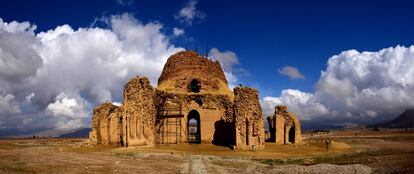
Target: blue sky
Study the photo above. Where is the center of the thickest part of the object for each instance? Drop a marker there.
(364, 49)
(265, 35)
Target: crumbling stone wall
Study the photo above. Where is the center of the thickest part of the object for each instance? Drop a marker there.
(139, 112)
(248, 119)
(105, 129)
(284, 126)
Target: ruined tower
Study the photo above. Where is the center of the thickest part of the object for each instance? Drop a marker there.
(284, 127)
(139, 112)
(249, 119)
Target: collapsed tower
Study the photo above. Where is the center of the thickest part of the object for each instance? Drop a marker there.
(191, 104)
(284, 127)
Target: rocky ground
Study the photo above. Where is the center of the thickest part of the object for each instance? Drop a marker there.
(350, 152)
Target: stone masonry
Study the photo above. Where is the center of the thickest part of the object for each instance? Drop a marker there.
(139, 112)
(284, 127)
(191, 104)
(249, 119)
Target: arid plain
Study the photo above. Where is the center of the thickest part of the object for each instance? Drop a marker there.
(351, 151)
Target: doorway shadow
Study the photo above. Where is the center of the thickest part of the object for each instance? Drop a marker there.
(224, 134)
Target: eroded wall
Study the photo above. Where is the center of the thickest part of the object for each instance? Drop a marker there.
(248, 119)
(105, 127)
(284, 126)
(140, 112)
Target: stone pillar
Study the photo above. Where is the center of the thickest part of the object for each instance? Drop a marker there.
(298, 131)
(280, 129)
(249, 123)
(140, 111)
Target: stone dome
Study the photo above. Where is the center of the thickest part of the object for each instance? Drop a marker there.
(189, 72)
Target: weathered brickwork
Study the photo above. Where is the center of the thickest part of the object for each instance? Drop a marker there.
(139, 110)
(105, 129)
(284, 126)
(249, 119)
(191, 104)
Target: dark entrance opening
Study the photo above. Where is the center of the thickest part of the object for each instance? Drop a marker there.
(292, 134)
(247, 132)
(194, 131)
(194, 86)
(121, 139)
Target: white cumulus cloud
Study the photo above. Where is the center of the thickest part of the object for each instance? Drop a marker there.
(304, 104)
(19, 60)
(53, 77)
(357, 86)
(69, 112)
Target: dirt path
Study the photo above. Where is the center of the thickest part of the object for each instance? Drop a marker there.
(197, 165)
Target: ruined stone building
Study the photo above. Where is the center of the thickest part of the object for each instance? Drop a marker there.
(284, 127)
(191, 104)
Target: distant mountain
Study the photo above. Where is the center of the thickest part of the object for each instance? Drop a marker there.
(308, 125)
(81, 133)
(405, 120)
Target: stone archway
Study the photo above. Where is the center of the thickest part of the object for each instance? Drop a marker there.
(193, 124)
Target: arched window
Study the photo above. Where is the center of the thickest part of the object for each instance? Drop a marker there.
(194, 86)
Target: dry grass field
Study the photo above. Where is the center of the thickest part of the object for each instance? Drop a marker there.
(386, 151)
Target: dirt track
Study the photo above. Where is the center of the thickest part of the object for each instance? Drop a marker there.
(384, 152)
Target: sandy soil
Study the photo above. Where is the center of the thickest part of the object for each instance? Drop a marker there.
(389, 151)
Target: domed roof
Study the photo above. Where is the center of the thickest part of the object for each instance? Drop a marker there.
(187, 70)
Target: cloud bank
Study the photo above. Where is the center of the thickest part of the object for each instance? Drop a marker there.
(357, 87)
(52, 79)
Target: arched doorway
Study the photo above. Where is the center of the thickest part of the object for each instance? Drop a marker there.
(292, 134)
(193, 123)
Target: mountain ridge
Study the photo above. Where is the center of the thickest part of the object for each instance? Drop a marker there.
(404, 120)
